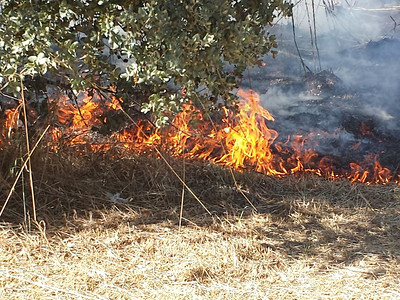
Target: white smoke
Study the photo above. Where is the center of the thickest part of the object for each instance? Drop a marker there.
(359, 42)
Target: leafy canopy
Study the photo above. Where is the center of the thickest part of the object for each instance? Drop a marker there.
(159, 47)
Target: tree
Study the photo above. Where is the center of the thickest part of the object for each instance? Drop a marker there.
(156, 47)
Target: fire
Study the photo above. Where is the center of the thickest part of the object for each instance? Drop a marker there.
(241, 140)
(367, 173)
(248, 141)
(11, 122)
(78, 117)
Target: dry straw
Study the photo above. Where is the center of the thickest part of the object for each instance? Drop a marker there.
(310, 238)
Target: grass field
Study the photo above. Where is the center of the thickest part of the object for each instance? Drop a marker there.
(310, 238)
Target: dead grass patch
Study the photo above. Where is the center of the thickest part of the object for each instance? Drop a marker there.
(309, 239)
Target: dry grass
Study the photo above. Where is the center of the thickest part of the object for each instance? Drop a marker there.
(309, 239)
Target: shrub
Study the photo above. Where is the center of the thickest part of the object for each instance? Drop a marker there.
(156, 47)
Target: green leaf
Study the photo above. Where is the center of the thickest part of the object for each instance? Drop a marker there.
(169, 45)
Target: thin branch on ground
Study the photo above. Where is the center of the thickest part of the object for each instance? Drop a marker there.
(29, 165)
(22, 169)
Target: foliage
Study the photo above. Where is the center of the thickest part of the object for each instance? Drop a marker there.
(159, 47)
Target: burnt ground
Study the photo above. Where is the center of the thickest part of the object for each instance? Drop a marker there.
(345, 104)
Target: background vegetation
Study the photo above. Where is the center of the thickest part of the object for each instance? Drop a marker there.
(155, 48)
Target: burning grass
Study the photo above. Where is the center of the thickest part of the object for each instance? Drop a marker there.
(241, 140)
(309, 238)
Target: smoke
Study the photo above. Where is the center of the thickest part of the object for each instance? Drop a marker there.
(349, 75)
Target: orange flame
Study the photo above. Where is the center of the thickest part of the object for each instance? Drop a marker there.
(78, 117)
(241, 141)
(11, 123)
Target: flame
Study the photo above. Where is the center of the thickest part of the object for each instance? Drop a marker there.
(241, 140)
(249, 141)
(11, 122)
(78, 117)
(366, 173)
